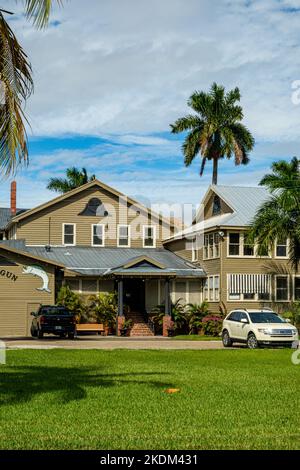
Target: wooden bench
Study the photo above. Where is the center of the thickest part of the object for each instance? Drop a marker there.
(97, 328)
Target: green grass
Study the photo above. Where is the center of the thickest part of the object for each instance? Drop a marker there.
(197, 338)
(87, 399)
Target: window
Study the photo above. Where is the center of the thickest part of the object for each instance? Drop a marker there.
(211, 246)
(282, 288)
(69, 235)
(123, 235)
(216, 206)
(73, 284)
(194, 250)
(296, 288)
(205, 253)
(281, 248)
(97, 235)
(89, 286)
(212, 288)
(248, 248)
(234, 244)
(249, 287)
(149, 236)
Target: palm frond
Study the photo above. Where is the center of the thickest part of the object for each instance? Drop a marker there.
(39, 11)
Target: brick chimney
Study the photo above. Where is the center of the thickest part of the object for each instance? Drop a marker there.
(13, 198)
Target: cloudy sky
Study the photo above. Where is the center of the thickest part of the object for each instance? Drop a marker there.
(111, 75)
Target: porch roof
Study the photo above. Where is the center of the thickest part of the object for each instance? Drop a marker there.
(97, 261)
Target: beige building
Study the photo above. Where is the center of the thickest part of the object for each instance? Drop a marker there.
(95, 239)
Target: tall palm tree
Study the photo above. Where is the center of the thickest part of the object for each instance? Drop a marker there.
(75, 178)
(279, 217)
(16, 85)
(216, 130)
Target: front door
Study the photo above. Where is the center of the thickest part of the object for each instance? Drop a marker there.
(134, 295)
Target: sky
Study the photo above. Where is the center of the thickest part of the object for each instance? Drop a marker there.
(112, 75)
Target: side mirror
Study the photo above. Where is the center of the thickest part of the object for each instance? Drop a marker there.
(244, 320)
(287, 320)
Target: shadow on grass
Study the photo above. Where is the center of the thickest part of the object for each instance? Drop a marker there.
(21, 385)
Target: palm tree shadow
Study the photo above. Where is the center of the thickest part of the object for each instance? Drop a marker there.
(22, 384)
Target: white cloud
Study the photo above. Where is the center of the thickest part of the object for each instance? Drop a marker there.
(129, 66)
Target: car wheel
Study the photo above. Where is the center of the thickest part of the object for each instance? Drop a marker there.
(227, 341)
(40, 334)
(71, 335)
(252, 341)
(33, 333)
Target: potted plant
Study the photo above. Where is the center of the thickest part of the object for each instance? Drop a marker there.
(126, 327)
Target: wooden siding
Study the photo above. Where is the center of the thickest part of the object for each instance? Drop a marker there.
(45, 227)
(19, 294)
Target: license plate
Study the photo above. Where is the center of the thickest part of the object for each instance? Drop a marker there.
(58, 327)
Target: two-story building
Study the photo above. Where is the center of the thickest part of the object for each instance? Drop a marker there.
(217, 241)
(94, 239)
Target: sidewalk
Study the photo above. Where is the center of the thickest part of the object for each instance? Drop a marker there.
(110, 343)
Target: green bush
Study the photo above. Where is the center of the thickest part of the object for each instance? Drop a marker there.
(293, 314)
(75, 303)
(212, 325)
(195, 313)
(105, 308)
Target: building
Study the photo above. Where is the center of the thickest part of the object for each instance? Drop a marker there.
(236, 276)
(95, 239)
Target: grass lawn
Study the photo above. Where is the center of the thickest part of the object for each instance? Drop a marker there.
(197, 338)
(66, 399)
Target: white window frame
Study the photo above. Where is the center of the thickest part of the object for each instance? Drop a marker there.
(206, 288)
(129, 237)
(288, 287)
(208, 246)
(287, 250)
(240, 244)
(294, 285)
(92, 235)
(195, 255)
(154, 235)
(63, 234)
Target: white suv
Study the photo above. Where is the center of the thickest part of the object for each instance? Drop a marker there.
(258, 328)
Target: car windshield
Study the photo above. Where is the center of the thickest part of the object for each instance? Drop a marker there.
(265, 317)
(54, 311)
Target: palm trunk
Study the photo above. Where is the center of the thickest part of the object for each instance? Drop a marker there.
(215, 171)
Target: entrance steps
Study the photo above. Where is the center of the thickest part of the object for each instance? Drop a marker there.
(139, 326)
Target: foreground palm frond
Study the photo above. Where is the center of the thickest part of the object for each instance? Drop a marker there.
(39, 11)
(16, 86)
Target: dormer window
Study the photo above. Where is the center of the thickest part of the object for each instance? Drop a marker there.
(94, 208)
(216, 206)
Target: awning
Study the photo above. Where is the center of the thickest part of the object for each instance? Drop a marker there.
(249, 283)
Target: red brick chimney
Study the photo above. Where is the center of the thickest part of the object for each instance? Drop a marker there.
(13, 198)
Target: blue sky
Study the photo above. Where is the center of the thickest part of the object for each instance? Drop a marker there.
(111, 78)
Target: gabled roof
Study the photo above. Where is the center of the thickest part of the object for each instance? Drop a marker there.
(5, 216)
(82, 188)
(244, 202)
(97, 261)
(19, 249)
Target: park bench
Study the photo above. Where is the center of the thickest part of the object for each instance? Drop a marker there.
(96, 328)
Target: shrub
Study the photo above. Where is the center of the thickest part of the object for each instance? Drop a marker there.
(105, 308)
(195, 313)
(211, 325)
(293, 314)
(75, 303)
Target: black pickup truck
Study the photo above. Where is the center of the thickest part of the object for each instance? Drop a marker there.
(54, 320)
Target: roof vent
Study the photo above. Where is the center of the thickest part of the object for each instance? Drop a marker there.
(48, 248)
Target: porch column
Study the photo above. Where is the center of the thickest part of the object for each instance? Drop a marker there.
(120, 317)
(167, 320)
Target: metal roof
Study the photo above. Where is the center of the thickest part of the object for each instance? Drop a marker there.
(244, 202)
(5, 216)
(91, 261)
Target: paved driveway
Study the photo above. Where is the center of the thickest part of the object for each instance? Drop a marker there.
(96, 342)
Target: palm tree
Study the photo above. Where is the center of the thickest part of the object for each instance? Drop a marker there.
(75, 179)
(279, 217)
(216, 130)
(16, 85)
